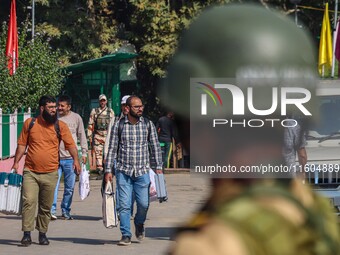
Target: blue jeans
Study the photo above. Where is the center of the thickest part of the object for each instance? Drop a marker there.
(117, 199)
(126, 185)
(66, 167)
(132, 201)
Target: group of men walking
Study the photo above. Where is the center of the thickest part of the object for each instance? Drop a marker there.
(51, 140)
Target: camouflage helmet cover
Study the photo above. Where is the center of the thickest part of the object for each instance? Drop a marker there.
(245, 42)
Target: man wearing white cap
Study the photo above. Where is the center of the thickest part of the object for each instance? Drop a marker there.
(97, 130)
(123, 112)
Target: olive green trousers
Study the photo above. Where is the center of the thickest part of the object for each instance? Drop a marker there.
(38, 190)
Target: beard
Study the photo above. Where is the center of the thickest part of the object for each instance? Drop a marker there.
(51, 119)
(136, 115)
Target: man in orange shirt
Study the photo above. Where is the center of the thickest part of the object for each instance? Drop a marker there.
(41, 165)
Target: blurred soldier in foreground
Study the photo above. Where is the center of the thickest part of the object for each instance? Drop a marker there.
(247, 213)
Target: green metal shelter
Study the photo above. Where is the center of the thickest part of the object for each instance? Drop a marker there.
(112, 75)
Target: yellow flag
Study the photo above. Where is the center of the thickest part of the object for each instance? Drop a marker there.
(325, 47)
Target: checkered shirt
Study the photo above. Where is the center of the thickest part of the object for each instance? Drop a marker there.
(132, 154)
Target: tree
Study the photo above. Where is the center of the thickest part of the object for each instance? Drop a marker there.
(87, 29)
(80, 29)
(38, 73)
(154, 28)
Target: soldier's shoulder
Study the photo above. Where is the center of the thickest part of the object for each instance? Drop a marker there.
(216, 237)
(249, 218)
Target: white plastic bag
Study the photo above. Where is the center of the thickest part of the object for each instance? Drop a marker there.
(110, 217)
(84, 182)
(152, 191)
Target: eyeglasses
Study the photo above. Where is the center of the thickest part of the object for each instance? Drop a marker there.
(51, 107)
(136, 107)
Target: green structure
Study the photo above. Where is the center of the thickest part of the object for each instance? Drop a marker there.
(112, 75)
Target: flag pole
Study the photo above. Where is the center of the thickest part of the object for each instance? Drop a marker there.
(323, 71)
(334, 36)
(33, 19)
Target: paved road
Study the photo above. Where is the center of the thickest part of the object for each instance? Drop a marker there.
(87, 235)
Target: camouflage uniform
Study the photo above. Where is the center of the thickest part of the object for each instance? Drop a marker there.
(97, 130)
(279, 218)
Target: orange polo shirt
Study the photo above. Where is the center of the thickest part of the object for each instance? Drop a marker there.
(43, 144)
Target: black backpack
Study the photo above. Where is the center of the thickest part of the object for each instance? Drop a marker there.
(56, 127)
(121, 126)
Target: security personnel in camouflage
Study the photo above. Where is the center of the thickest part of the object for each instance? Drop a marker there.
(97, 130)
(245, 215)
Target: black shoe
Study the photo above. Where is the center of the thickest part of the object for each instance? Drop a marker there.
(125, 241)
(100, 175)
(43, 239)
(26, 240)
(139, 231)
(66, 216)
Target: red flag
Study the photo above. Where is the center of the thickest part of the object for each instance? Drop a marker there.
(12, 41)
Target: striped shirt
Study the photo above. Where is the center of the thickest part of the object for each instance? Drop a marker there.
(132, 154)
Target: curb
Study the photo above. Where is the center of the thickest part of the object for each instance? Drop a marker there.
(176, 170)
(93, 174)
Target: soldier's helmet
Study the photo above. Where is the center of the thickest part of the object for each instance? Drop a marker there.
(249, 43)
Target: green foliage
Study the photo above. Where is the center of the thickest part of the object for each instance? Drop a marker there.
(87, 29)
(38, 72)
(155, 28)
(82, 30)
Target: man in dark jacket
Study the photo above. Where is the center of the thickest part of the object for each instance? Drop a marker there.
(166, 130)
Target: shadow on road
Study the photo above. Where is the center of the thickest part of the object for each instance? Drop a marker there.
(10, 242)
(88, 241)
(11, 217)
(161, 233)
(84, 217)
